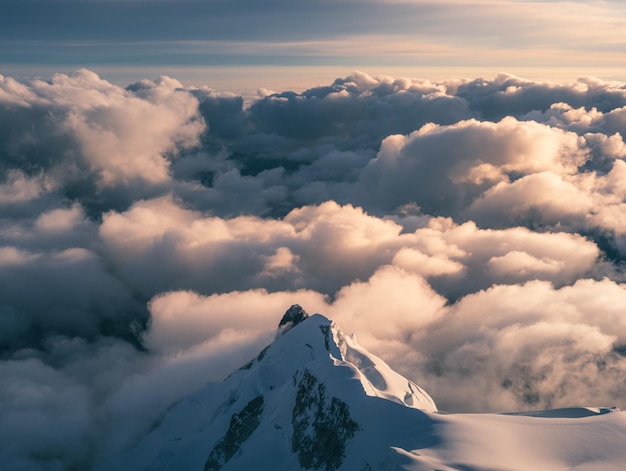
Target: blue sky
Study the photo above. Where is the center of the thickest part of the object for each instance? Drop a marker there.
(584, 38)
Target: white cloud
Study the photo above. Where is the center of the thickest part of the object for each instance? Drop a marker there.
(529, 346)
(446, 167)
(117, 134)
(20, 188)
(543, 197)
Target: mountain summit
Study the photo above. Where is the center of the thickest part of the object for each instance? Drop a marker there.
(294, 315)
(315, 399)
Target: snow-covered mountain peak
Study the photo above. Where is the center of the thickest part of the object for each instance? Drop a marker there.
(377, 377)
(301, 402)
(315, 399)
(318, 339)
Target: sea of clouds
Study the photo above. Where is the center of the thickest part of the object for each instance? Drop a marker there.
(472, 233)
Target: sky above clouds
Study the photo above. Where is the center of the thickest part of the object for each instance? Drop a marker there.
(582, 37)
(155, 227)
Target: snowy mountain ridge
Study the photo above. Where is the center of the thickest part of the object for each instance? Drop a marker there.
(315, 399)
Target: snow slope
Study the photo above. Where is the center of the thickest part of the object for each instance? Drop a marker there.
(315, 399)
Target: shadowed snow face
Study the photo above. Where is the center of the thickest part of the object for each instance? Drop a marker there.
(471, 233)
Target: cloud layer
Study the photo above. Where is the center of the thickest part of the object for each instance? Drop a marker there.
(470, 232)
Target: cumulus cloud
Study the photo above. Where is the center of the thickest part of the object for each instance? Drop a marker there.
(527, 346)
(158, 245)
(470, 232)
(86, 134)
(41, 399)
(18, 188)
(540, 198)
(446, 168)
(66, 292)
(125, 135)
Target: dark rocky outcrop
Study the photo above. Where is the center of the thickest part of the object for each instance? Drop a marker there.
(322, 426)
(294, 316)
(242, 425)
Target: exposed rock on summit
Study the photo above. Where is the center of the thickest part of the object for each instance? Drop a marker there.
(294, 316)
